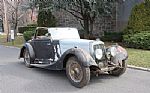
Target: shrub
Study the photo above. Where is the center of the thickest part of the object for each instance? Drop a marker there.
(113, 36)
(26, 28)
(28, 35)
(139, 19)
(139, 40)
(137, 32)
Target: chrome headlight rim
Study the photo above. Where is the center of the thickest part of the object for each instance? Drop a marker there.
(98, 54)
(113, 51)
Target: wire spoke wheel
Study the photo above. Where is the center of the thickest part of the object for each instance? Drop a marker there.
(77, 74)
(27, 58)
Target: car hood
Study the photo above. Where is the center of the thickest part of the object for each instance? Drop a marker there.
(66, 44)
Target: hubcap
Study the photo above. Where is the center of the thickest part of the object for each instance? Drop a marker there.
(75, 72)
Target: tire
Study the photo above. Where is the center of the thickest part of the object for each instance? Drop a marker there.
(27, 59)
(119, 71)
(78, 75)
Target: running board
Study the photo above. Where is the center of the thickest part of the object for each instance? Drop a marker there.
(41, 65)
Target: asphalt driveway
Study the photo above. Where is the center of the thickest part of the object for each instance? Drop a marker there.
(16, 78)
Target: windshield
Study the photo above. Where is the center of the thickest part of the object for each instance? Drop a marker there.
(64, 33)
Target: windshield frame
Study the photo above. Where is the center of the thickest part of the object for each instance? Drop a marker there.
(64, 33)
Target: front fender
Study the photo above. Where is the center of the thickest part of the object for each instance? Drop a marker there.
(83, 57)
(29, 48)
(121, 54)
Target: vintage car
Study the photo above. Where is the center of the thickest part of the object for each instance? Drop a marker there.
(62, 49)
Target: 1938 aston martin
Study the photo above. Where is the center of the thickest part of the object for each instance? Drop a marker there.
(62, 49)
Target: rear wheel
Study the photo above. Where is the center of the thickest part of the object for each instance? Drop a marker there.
(27, 59)
(119, 71)
(77, 74)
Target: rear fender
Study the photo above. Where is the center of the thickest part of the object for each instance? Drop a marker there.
(29, 48)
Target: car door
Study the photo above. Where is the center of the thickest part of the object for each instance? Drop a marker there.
(43, 49)
(42, 45)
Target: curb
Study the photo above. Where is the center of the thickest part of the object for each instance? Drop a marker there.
(138, 68)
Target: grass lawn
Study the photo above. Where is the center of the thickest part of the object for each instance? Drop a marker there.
(18, 42)
(137, 57)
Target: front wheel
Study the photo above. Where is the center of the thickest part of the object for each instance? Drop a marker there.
(78, 75)
(119, 71)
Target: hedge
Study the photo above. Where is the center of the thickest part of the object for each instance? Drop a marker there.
(137, 32)
(139, 40)
(113, 36)
(26, 28)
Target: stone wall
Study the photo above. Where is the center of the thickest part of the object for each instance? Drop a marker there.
(101, 24)
(117, 23)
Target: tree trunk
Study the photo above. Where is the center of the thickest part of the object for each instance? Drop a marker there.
(91, 27)
(86, 26)
(15, 29)
(16, 22)
(32, 10)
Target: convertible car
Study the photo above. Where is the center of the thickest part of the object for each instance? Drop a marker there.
(62, 49)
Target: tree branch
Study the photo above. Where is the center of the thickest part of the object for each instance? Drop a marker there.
(76, 11)
(10, 4)
(71, 13)
(81, 23)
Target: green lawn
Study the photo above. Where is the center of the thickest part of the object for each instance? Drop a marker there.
(18, 42)
(137, 57)
(2, 38)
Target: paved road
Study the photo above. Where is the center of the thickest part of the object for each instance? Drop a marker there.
(16, 78)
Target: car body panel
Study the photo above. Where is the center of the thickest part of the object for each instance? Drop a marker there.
(66, 44)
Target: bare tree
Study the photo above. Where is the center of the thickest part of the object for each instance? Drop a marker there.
(14, 13)
(31, 5)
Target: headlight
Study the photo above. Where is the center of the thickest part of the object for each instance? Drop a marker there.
(98, 54)
(108, 55)
(113, 51)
